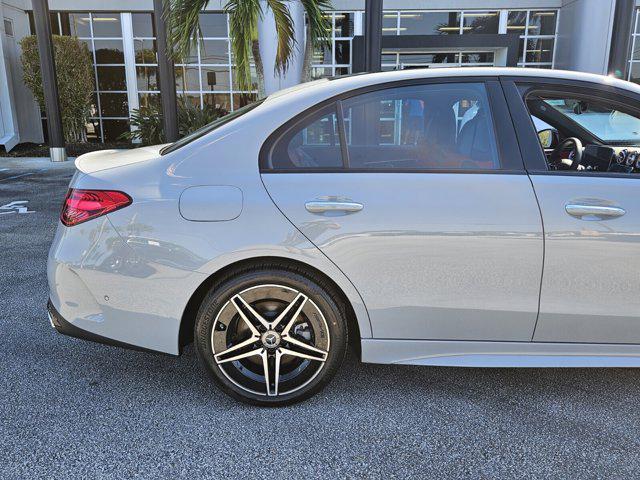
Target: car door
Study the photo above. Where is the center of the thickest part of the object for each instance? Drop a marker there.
(417, 192)
(591, 286)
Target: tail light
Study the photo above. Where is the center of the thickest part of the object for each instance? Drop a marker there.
(82, 205)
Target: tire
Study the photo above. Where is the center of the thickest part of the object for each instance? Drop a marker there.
(271, 336)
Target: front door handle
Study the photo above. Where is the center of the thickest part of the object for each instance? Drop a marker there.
(593, 212)
(323, 206)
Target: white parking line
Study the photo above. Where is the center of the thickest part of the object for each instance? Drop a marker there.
(16, 176)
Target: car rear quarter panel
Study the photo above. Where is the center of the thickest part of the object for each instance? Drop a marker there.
(163, 257)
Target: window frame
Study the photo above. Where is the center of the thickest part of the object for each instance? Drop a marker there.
(509, 156)
(518, 88)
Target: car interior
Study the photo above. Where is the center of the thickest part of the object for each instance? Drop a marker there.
(438, 127)
(586, 134)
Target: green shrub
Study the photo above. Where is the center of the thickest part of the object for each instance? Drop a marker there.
(74, 72)
(147, 121)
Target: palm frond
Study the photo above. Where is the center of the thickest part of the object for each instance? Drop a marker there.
(319, 24)
(183, 25)
(284, 29)
(243, 26)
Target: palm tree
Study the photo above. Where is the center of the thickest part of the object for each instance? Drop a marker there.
(184, 30)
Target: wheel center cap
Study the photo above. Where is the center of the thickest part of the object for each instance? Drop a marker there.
(270, 339)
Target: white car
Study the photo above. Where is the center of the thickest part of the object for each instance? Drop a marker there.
(413, 214)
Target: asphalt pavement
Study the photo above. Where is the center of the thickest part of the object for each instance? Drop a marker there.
(73, 409)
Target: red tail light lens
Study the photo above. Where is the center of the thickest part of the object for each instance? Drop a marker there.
(82, 205)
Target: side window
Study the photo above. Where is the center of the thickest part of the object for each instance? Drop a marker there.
(607, 132)
(312, 144)
(435, 126)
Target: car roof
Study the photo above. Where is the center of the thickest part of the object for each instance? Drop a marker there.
(350, 82)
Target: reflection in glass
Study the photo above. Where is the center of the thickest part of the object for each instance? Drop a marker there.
(429, 23)
(517, 21)
(343, 52)
(242, 99)
(483, 22)
(217, 100)
(111, 78)
(109, 51)
(215, 79)
(213, 24)
(106, 24)
(539, 50)
(390, 23)
(79, 24)
(542, 23)
(214, 51)
(428, 58)
(321, 55)
(187, 78)
(147, 78)
(344, 24)
(143, 25)
(114, 105)
(149, 100)
(254, 78)
(320, 72)
(145, 51)
(112, 129)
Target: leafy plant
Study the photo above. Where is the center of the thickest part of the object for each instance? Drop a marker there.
(183, 18)
(146, 125)
(74, 73)
(147, 121)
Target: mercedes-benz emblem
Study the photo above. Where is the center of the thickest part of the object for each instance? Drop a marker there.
(271, 339)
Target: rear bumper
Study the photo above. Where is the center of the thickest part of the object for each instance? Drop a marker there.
(66, 328)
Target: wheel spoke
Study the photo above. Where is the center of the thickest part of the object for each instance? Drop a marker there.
(250, 353)
(237, 347)
(290, 313)
(303, 350)
(271, 375)
(249, 315)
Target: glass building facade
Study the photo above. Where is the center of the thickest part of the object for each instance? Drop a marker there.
(124, 53)
(634, 58)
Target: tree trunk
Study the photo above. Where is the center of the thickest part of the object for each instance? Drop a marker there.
(308, 57)
(257, 58)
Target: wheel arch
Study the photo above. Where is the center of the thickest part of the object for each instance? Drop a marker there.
(358, 324)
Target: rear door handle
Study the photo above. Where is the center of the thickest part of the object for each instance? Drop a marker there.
(593, 212)
(323, 206)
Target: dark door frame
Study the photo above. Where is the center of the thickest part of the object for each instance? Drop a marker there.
(464, 42)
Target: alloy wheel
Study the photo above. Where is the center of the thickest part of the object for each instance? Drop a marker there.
(270, 340)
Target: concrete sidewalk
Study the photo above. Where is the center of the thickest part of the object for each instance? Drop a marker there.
(34, 163)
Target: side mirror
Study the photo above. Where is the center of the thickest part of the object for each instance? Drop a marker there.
(548, 138)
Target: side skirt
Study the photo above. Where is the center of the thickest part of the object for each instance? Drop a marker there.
(499, 354)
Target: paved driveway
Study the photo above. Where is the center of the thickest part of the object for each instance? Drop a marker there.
(72, 409)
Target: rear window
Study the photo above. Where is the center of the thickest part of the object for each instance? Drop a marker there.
(209, 128)
(422, 127)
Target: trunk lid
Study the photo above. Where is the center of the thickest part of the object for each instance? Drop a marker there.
(104, 159)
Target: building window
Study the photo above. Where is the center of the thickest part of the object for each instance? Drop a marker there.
(634, 61)
(146, 58)
(439, 22)
(335, 57)
(537, 29)
(102, 33)
(8, 27)
(207, 76)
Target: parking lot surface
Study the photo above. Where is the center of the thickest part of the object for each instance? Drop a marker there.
(73, 409)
